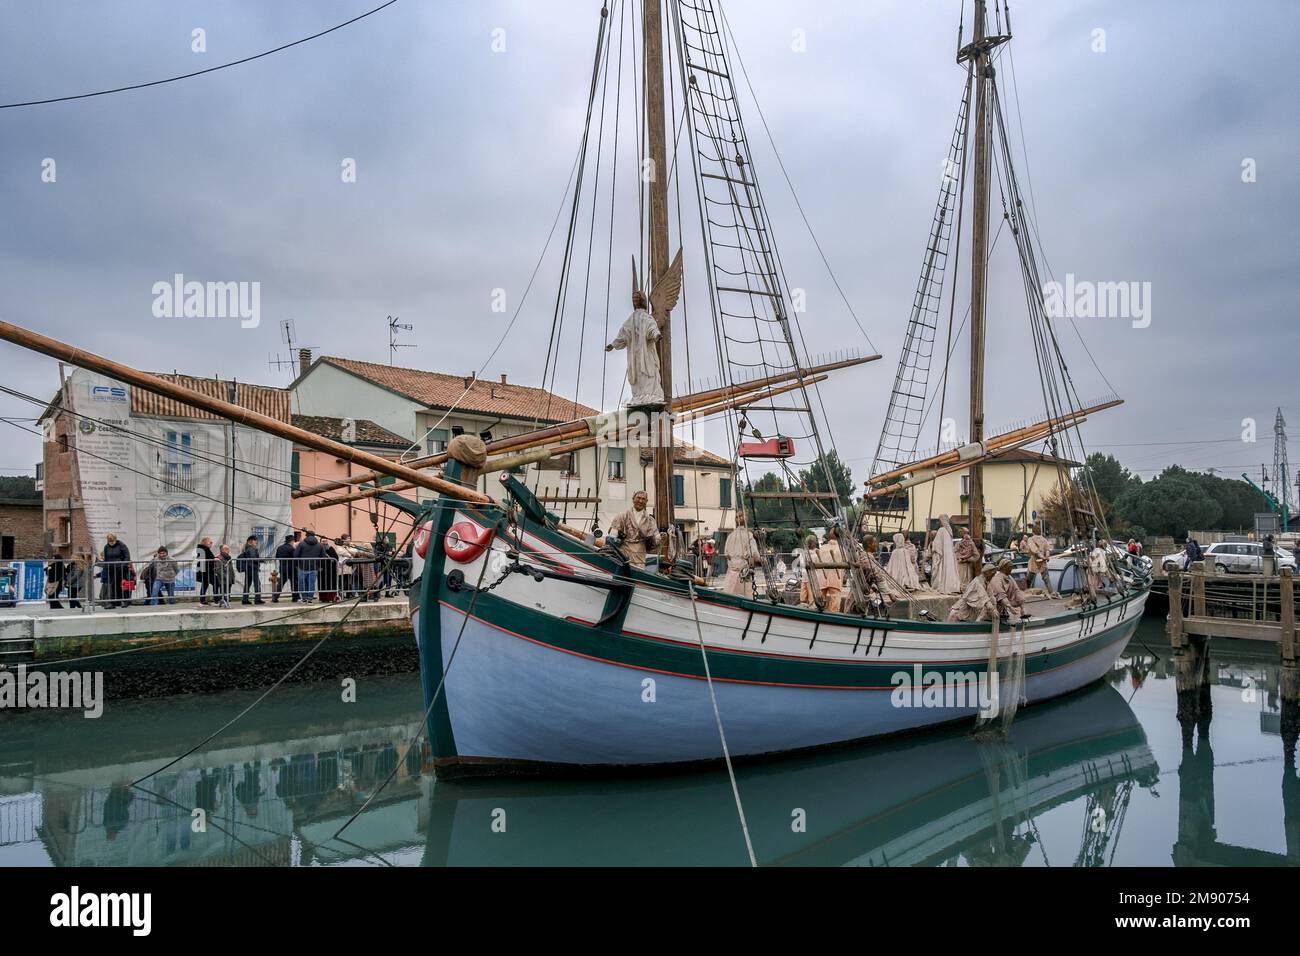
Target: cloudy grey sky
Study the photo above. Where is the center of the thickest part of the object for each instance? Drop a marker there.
(462, 153)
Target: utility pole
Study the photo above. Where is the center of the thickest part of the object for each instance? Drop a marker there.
(232, 396)
(1281, 469)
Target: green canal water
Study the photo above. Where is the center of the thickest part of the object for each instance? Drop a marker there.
(1100, 778)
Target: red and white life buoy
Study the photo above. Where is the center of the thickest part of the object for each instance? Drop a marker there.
(465, 541)
(422, 539)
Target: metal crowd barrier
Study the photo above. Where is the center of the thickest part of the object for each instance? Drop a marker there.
(130, 584)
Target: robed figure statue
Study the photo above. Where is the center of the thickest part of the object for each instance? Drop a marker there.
(641, 332)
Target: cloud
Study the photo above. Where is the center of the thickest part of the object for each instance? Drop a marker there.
(462, 155)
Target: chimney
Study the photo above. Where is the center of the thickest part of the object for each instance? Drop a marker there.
(469, 380)
(503, 379)
(304, 361)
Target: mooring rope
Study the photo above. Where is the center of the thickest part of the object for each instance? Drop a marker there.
(437, 693)
(338, 625)
(722, 734)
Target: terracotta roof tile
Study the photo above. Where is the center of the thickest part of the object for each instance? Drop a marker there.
(486, 397)
(367, 432)
(684, 453)
(275, 402)
(1026, 454)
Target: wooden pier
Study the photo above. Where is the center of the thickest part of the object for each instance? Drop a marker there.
(1251, 607)
(1202, 605)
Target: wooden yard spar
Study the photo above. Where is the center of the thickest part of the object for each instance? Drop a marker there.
(242, 416)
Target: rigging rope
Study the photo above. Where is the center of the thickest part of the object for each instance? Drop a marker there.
(722, 734)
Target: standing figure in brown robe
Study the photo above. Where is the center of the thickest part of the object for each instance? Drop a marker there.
(636, 530)
(830, 578)
(967, 558)
(1039, 550)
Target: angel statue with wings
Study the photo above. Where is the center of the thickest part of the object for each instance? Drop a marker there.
(640, 334)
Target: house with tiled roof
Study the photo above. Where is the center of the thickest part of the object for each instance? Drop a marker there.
(1017, 483)
(157, 472)
(427, 409)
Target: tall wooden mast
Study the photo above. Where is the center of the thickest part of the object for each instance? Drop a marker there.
(977, 52)
(658, 169)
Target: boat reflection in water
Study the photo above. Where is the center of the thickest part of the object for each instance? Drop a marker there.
(941, 798)
(277, 795)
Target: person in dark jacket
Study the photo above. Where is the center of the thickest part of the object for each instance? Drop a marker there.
(329, 573)
(383, 566)
(145, 584)
(75, 578)
(1193, 553)
(117, 569)
(250, 564)
(56, 574)
(205, 569)
(285, 570)
(310, 553)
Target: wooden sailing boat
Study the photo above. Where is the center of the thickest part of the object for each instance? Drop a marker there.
(541, 651)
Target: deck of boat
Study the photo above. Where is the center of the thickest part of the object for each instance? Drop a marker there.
(1037, 604)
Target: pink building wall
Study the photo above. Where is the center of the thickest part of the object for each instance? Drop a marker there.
(353, 519)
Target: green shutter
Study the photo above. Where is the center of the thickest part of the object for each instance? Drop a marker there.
(294, 470)
(679, 489)
(724, 492)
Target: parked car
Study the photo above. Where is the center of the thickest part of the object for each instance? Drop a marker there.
(1242, 557)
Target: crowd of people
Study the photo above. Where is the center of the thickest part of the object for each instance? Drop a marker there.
(308, 567)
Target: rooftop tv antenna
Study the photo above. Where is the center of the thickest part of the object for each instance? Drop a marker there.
(394, 327)
(291, 360)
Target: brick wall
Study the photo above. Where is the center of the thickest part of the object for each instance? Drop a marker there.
(24, 521)
(63, 488)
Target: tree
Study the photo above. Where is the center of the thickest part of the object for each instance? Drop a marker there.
(1173, 503)
(780, 517)
(19, 487)
(1060, 506)
(840, 480)
(1109, 477)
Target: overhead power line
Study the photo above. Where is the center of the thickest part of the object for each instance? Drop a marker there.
(186, 76)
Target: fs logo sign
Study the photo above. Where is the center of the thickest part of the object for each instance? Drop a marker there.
(115, 394)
